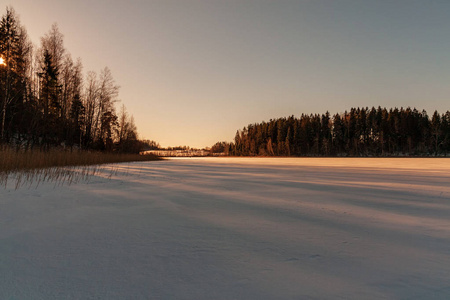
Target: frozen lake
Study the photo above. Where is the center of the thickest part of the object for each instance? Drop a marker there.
(233, 228)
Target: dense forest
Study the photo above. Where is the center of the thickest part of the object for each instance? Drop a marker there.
(359, 132)
(46, 101)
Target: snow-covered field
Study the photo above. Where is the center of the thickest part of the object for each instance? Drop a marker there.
(233, 228)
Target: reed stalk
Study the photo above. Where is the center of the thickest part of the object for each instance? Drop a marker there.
(59, 166)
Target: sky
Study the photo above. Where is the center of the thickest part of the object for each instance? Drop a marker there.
(192, 72)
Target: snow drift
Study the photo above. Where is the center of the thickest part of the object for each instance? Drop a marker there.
(233, 228)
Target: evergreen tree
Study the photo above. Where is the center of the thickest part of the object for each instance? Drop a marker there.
(49, 95)
(9, 41)
(77, 115)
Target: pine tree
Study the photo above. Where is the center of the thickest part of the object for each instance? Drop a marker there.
(436, 131)
(49, 95)
(9, 38)
(77, 115)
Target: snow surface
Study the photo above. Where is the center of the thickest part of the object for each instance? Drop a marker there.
(233, 228)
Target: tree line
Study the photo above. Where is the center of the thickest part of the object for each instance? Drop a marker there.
(358, 132)
(46, 101)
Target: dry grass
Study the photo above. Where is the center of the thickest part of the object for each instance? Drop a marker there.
(57, 165)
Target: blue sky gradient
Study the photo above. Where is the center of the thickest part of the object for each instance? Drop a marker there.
(193, 72)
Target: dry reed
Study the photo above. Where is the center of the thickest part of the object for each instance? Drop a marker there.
(59, 166)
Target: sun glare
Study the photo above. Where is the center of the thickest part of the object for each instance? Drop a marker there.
(2, 61)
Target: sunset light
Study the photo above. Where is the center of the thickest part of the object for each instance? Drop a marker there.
(247, 149)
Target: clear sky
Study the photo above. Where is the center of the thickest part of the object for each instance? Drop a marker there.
(192, 72)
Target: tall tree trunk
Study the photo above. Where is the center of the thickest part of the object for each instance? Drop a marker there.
(5, 101)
